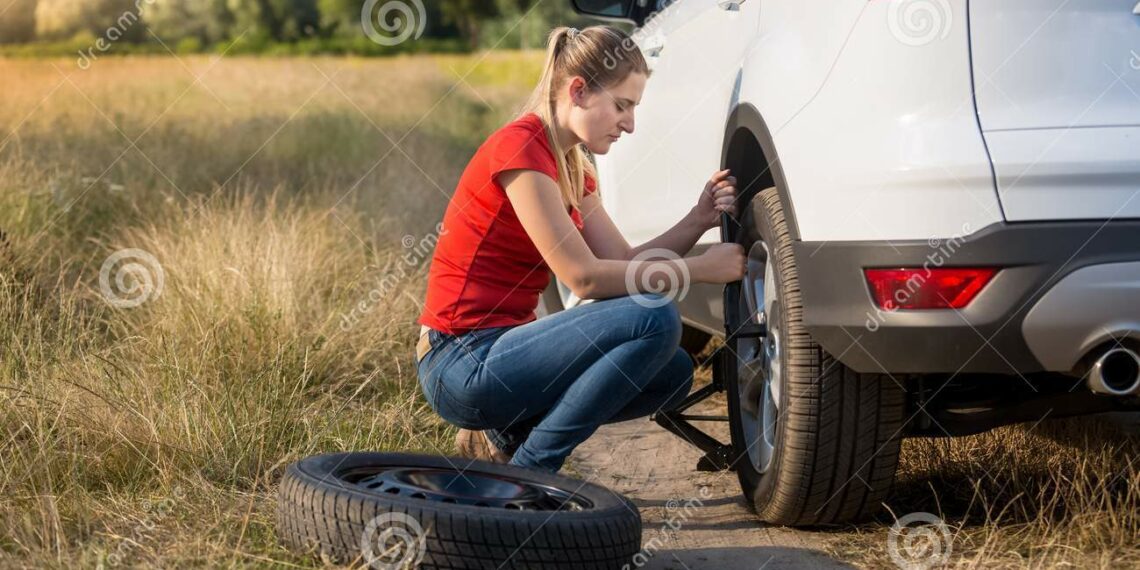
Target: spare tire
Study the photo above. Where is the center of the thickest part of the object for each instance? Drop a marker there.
(401, 510)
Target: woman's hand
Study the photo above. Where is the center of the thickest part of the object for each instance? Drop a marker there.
(718, 196)
(720, 263)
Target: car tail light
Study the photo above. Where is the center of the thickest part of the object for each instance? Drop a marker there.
(923, 288)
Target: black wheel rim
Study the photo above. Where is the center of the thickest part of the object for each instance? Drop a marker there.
(469, 487)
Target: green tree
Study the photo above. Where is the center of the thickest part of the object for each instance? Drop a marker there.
(339, 16)
(280, 20)
(208, 21)
(63, 18)
(299, 18)
(18, 22)
(468, 16)
(526, 23)
(342, 17)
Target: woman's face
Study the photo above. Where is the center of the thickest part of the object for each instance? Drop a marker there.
(601, 116)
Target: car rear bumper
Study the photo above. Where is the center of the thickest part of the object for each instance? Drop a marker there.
(1056, 273)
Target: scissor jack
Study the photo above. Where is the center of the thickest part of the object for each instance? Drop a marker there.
(718, 456)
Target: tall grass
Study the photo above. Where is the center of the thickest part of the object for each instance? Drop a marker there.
(154, 434)
(1059, 493)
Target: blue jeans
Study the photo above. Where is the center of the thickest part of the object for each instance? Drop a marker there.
(541, 388)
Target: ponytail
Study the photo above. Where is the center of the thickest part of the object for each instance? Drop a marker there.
(604, 56)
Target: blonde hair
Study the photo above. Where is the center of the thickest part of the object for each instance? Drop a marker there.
(604, 56)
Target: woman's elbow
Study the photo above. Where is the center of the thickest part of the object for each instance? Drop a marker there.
(582, 283)
(582, 287)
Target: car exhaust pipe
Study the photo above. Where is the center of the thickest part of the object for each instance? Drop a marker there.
(1116, 373)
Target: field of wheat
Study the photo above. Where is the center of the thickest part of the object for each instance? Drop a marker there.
(210, 267)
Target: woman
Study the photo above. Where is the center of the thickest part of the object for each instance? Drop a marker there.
(528, 391)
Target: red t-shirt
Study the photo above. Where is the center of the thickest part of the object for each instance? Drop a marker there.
(486, 272)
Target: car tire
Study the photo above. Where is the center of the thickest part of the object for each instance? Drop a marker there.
(817, 443)
(429, 513)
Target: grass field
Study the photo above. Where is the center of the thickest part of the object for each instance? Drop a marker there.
(289, 206)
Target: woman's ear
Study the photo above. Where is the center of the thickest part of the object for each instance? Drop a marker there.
(577, 91)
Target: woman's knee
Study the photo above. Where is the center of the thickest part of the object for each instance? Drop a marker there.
(674, 381)
(659, 315)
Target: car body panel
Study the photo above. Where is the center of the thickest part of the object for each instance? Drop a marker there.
(1058, 95)
(886, 146)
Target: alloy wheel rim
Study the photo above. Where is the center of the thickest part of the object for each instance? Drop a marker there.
(759, 374)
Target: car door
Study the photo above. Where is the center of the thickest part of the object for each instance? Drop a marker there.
(633, 174)
(694, 48)
(708, 48)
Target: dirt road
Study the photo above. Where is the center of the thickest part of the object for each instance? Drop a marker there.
(692, 519)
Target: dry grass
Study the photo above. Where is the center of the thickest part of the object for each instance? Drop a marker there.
(154, 435)
(1061, 493)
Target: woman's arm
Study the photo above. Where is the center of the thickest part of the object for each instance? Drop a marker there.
(606, 241)
(537, 202)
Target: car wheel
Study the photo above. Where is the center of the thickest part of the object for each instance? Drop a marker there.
(814, 442)
(397, 510)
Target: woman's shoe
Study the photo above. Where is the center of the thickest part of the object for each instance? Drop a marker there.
(476, 445)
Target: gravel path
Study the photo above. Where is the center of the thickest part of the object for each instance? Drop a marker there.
(692, 519)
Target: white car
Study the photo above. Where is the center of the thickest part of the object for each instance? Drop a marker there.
(939, 201)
